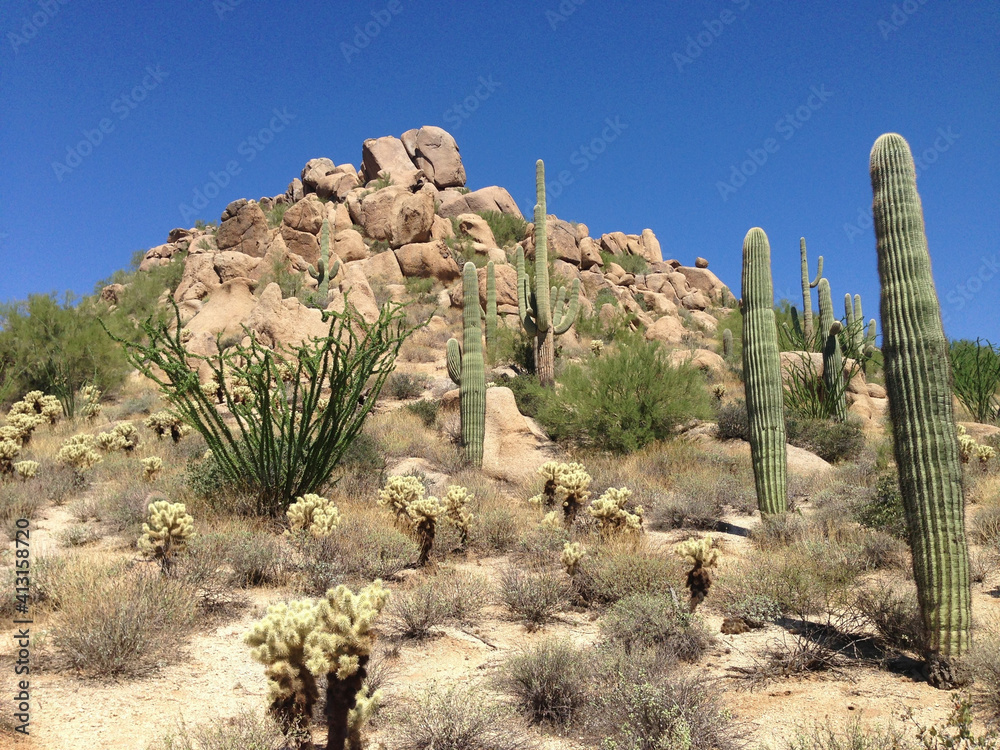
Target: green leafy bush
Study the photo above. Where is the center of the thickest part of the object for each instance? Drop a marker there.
(830, 440)
(634, 264)
(404, 385)
(426, 409)
(624, 399)
(612, 573)
(883, 510)
(286, 437)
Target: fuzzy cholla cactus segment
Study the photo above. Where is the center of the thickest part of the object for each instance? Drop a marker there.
(313, 514)
(26, 469)
(574, 482)
(966, 445)
(122, 437)
(358, 716)
(167, 532)
(550, 471)
(400, 492)
(456, 504)
(344, 631)
(571, 555)
(151, 466)
(37, 403)
(279, 642)
(984, 453)
(9, 451)
(610, 513)
(164, 423)
(90, 395)
(699, 552)
(80, 452)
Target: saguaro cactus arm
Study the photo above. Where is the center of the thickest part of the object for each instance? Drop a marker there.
(917, 378)
(807, 321)
(566, 312)
(525, 297)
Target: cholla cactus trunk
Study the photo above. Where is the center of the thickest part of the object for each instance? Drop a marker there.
(833, 360)
(466, 368)
(917, 377)
(807, 315)
(425, 530)
(762, 372)
(341, 698)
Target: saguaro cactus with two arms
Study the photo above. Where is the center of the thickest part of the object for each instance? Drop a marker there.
(807, 316)
(918, 379)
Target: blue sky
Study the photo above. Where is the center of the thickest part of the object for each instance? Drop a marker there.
(697, 120)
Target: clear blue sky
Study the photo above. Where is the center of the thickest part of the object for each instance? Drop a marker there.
(694, 90)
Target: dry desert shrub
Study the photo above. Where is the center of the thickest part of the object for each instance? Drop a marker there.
(448, 598)
(534, 595)
(623, 567)
(549, 680)
(245, 731)
(659, 622)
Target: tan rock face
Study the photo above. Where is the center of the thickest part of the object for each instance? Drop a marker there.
(703, 359)
(505, 276)
(282, 323)
(386, 154)
(562, 240)
(245, 232)
(231, 265)
(199, 278)
(667, 330)
(650, 246)
(428, 260)
(383, 267)
(395, 215)
(350, 245)
(336, 186)
(491, 198)
(702, 280)
(475, 227)
(590, 253)
(435, 151)
(226, 309)
(314, 171)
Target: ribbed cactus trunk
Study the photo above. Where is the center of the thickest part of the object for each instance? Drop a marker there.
(918, 381)
(727, 344)
(807, 315)
(491, 308)
(833, 359)
(465, 366)
(762, 375)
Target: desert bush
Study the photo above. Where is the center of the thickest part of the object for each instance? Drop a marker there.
(439, 600)
(986, 525)
(507, 229)
(690, 505)
(534, 596)
(456, 718)
(634, 264)
(255, 558)
(855, 736)
(883, 511)
(494, 530)
(624, 399)
(288, 437)
(119, 622)
(404, 385)
(894, 614)
(426, 409)
(548, 680)
(732, 422)
(246, 731)
(656, 621)
(830, 440)
(984, 661)
(613, 572)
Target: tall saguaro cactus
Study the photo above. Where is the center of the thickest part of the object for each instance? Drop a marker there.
(324, 271)
(545, 313)
(762, 374)
(918, 377)
(807, 315)
(833, 359)
(465, 367)
(491, 309)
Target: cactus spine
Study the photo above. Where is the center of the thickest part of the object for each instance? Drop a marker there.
(545, 313)
(762, 371)
(918, 377)
(833, 359)
(465, 367)
(324, 271)
(807, 315)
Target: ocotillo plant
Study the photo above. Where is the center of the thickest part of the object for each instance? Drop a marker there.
(762, 373)
(465, 367)
(833, 360)
(545, 313)
(807, 316)
(918, 380)
(324, 271)
(490, 313)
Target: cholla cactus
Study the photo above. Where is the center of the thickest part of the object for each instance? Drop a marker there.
(213, 390)
(9, 450)
(571, 555)
(550, 521)
(702, 555)
(151, 466)
(456, 507)
(20, 426)
(90, 395)
(610, 513)
(279, 643)
(80, 452)
(984, 453)
(242, 394)
(423, 514)
(399, 492)
(340, 647)
(26, 469)
(313, 514)
(551, 471)
(164, 423)
(966, 445)
(358, 716)
(573, 483)
(36, 402)
(167, 532)
(122, 437)
(596, 347)
(719, 390)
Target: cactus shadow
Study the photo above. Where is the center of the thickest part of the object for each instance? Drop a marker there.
(724, 527)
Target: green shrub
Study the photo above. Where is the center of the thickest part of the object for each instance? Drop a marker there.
(656, 621)
(883, 510)
(276, 214)
(609, 574)
(733, 422)
(513, 347)
(549, 680)
(624, 399)
(975, 369)
(426, 409)
(418, 286)
(404, 385)
(534, 596)
(507, 230)
(529, 395)
(634, 264)
(830, 440)
(494, 530)
(296, 412)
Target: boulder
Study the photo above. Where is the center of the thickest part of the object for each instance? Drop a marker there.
(615, 243)
(428, 260)
(658, 303)
(514, 446)
(355, 287)
(590, 253)
(199, 278)
(695, 301)
(383, 267)
(703, 359)
(245, 231)
(336, 186)
(475, 227)
(700, 263)
(506, 285)
(666, 330)
(230, 264)
(562, 240)
(157, 256)
(112, 293)
(314, 171)
(284, 322)
(349, 245)
(441, 228)
(226, 309)
(394, 215)
(651, 247)
(592, 282)
(702, 280)
(386, 154)
(491, 198)
(294, 193)
(435, 151)
(706, 322)
(301, 225)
